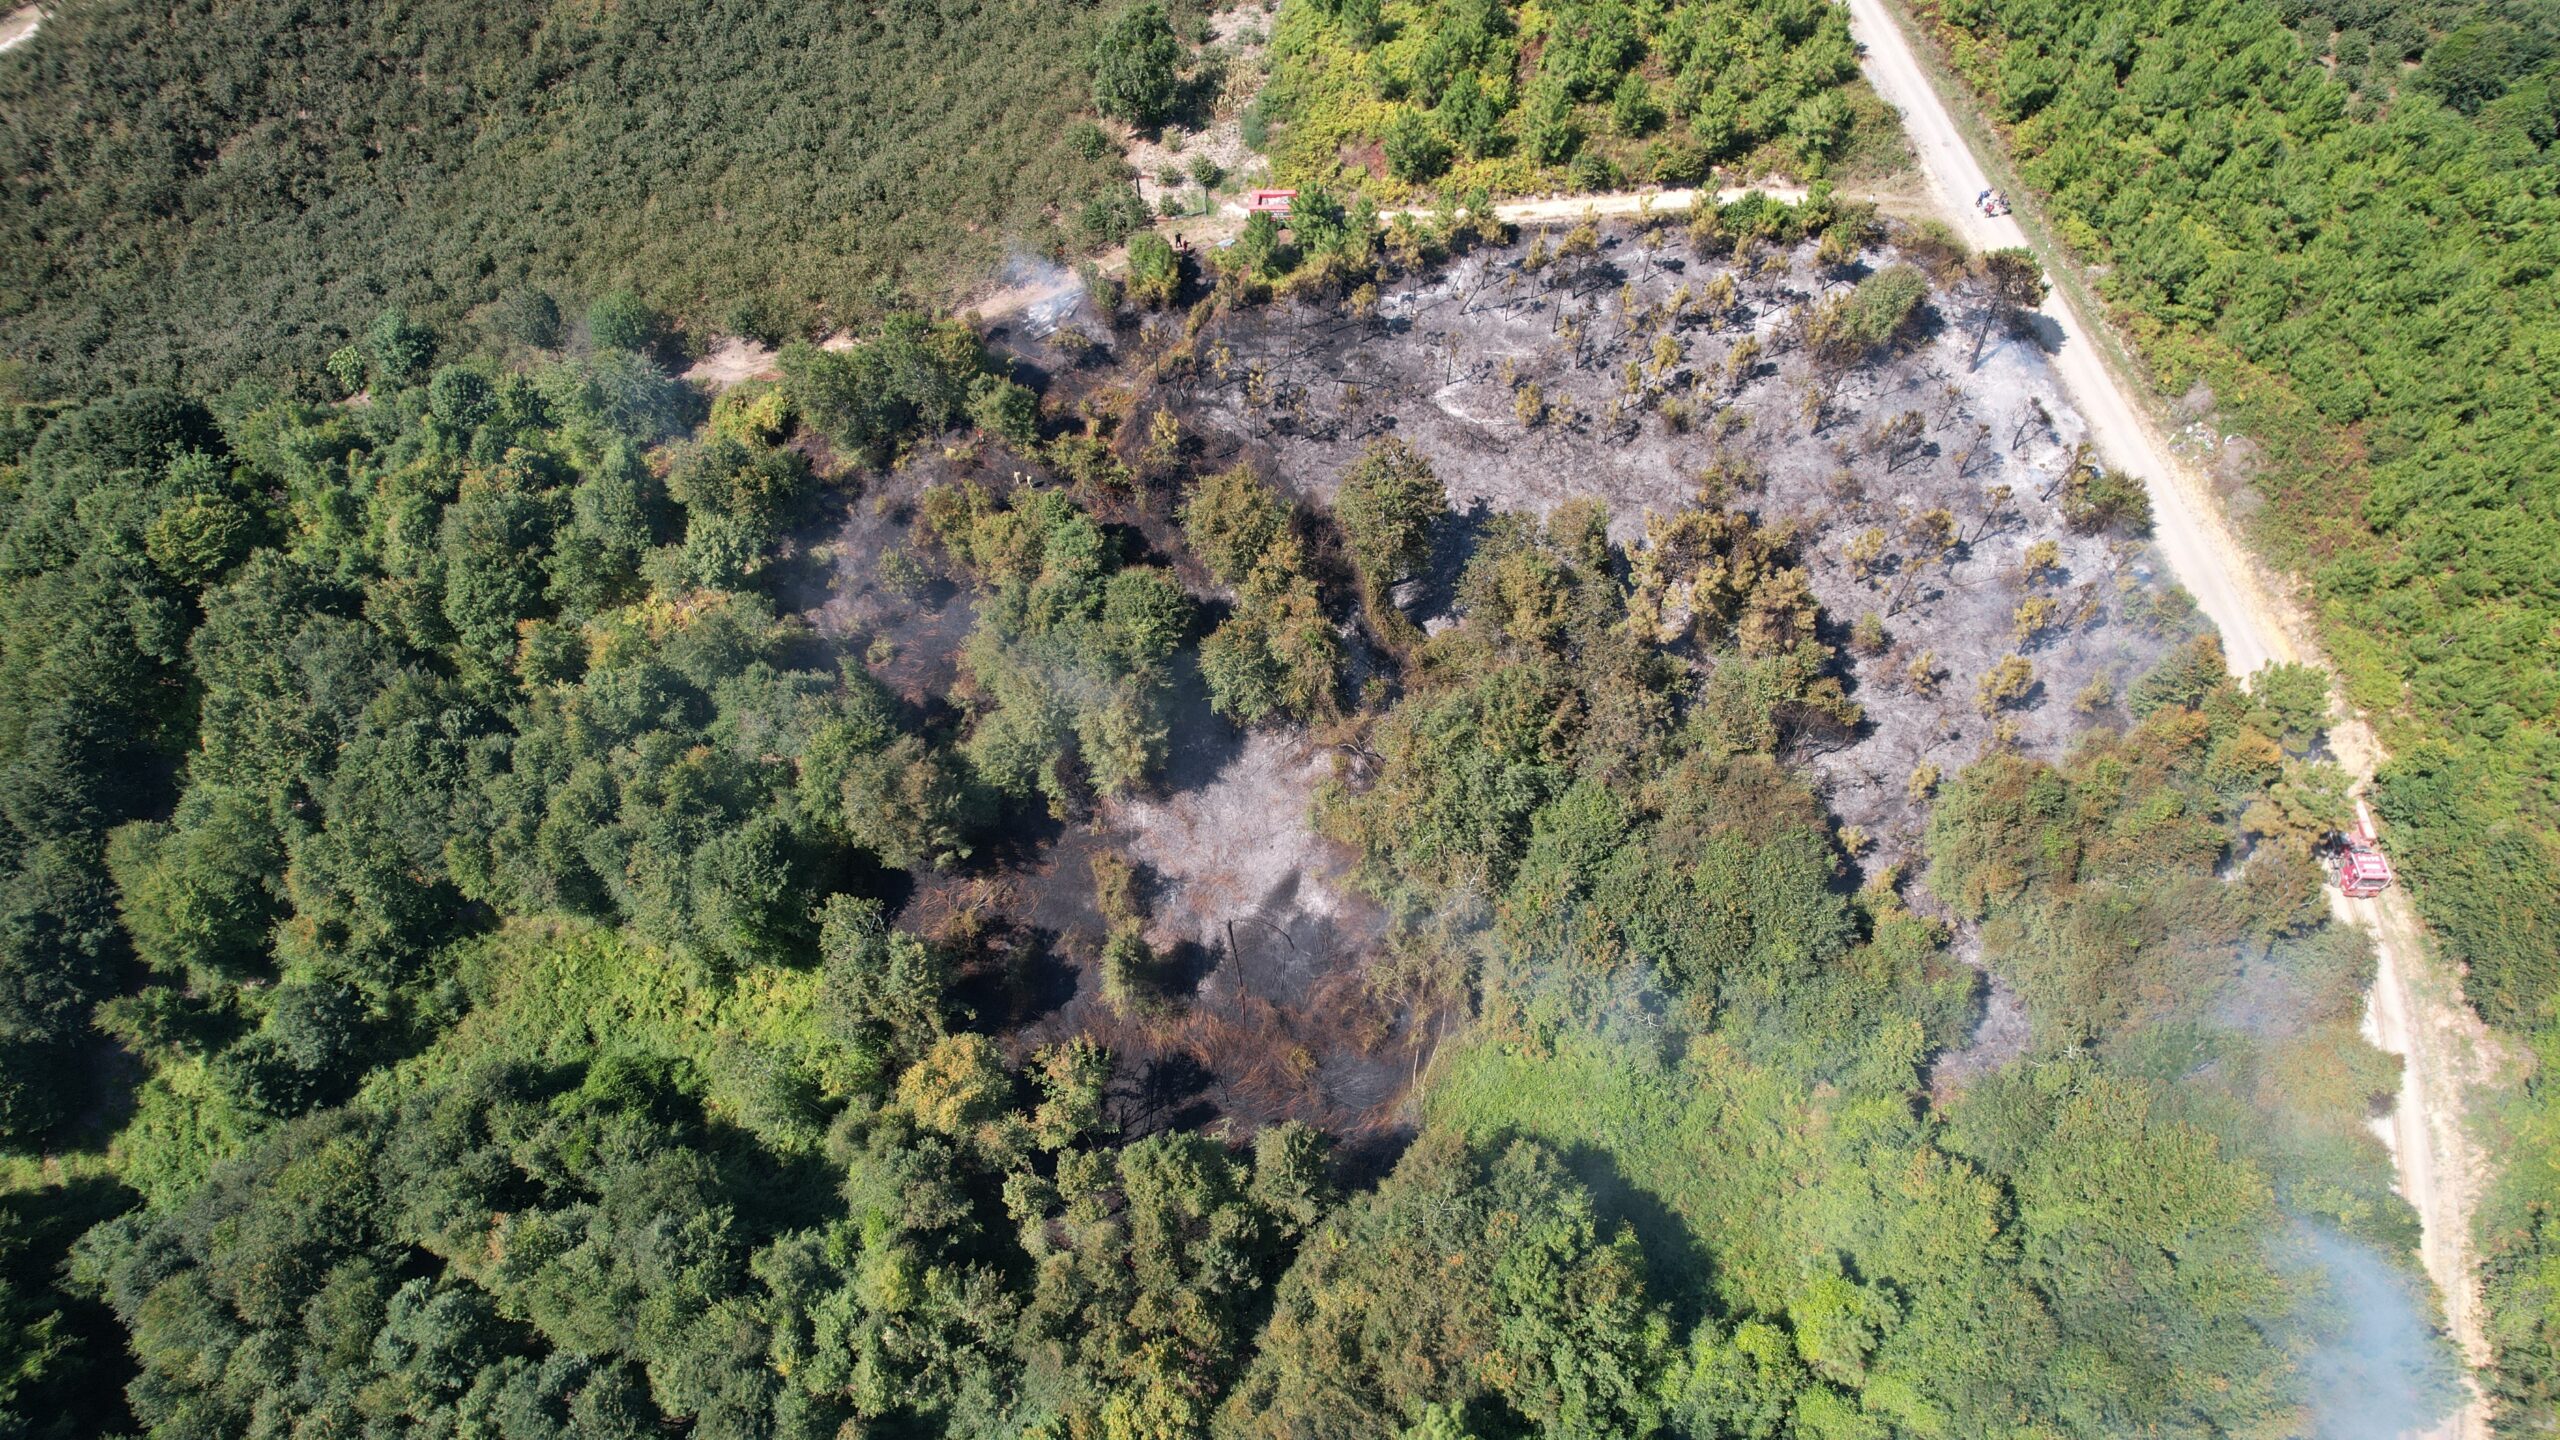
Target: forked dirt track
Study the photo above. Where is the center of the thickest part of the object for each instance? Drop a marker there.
(2415, 1010)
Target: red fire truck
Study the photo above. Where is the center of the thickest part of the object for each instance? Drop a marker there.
(2361, 867)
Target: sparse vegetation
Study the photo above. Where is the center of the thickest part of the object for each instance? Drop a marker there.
(2035, 615)
(1155, 272)
(1868, 635)
(2103, 501)
(1865, 551)
(2005, 684)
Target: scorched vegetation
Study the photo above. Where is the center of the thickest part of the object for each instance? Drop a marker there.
(1415, 858)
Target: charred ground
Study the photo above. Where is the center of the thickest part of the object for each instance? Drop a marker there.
(1642, 366)
(1508, 369)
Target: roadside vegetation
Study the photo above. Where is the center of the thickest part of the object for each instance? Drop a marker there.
(2352, 253)
(494, 957)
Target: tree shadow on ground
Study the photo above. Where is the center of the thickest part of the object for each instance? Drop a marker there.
(1678, 1269)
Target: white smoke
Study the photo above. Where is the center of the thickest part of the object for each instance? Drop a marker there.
(2379, 1368)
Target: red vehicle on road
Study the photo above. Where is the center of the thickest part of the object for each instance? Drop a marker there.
(2362, 869)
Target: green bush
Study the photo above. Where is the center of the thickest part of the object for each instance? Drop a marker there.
(1136, 66)
(621, 321)
(1387, 504)
(398, 346)
(1155, 271)
(1005, 409)
(1113, 216)
(2096, 500)
(1881, 310)
(911, 377)
(529, 316)
(1415, 152)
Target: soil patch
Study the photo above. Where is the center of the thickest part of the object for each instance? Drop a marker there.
(19, 26)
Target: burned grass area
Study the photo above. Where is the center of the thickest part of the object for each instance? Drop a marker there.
(1265, 1010)
(1261, 943)
(1264, 942)
(1921, 485)
(1254, 907)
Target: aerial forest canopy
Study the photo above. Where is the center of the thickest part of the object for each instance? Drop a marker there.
(196, 193)
(577, 982)
(1388, 830)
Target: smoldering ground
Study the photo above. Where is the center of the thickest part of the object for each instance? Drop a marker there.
(1034, 296)
(1263, 941)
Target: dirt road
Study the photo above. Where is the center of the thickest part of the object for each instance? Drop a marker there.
(2415, 1010)
(1560, 208)
(19, 26)
(1044, 293)
(1630, 202)
(2211, 567)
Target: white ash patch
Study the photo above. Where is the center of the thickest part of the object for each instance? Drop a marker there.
(1243, 848)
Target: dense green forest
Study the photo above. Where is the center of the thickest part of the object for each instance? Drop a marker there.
(1516, 98)
(196, 193)
(496, 880)
(2345, 220)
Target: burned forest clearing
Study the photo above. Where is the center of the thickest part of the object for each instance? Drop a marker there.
(1918, 486)
(1277, 720)
(1921, 486)
(1045, 875)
